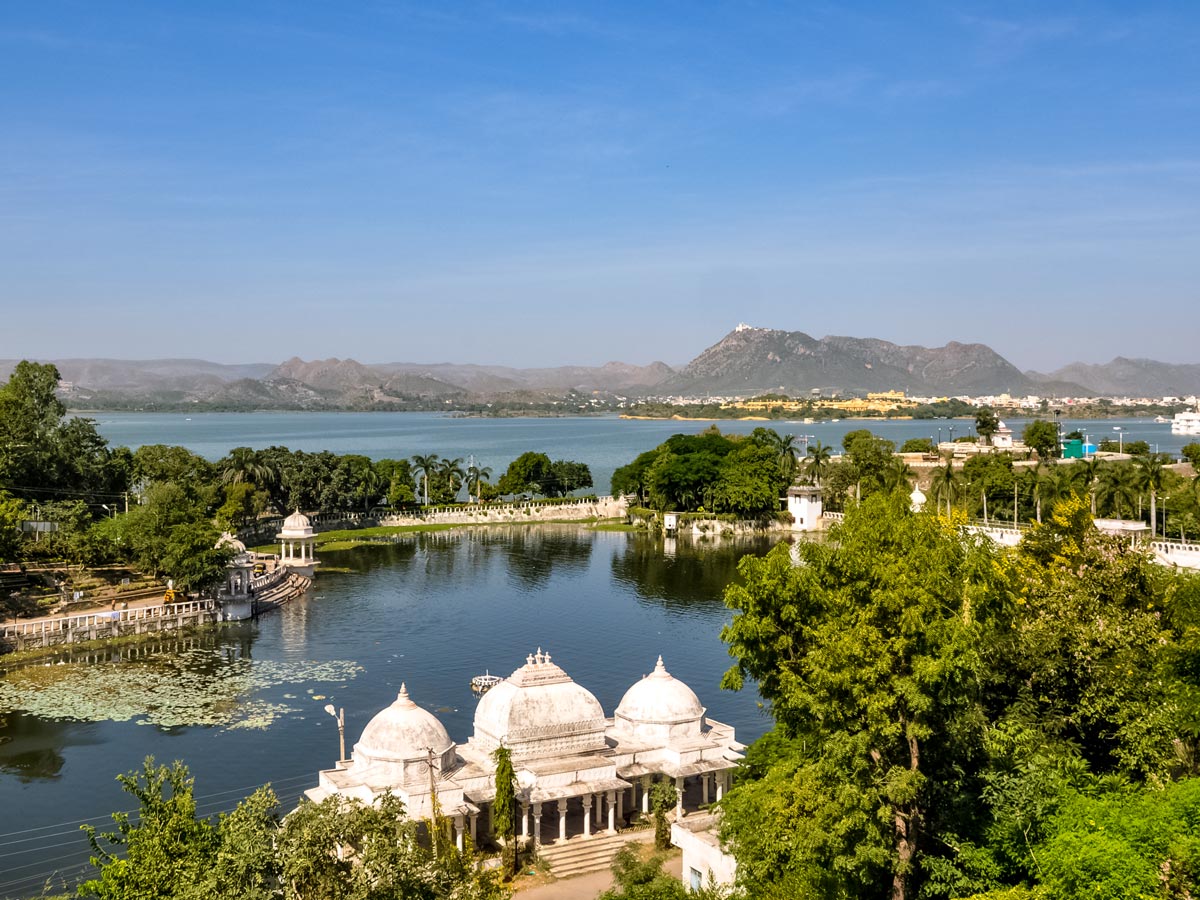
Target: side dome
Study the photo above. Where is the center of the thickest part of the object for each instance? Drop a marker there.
(402, 732)
(540, 711)
(660, 707)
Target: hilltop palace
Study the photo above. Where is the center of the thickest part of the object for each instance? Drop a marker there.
(591, 770)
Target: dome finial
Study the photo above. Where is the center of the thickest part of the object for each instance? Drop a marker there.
(402, 698)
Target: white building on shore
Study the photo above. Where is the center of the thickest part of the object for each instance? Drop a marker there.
(589, 771)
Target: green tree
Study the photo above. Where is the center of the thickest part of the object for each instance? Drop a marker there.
(1151, 474)
(816, 461)
(917, 445)
(12, 514)
(528, 473)
(1191, 452)
(426, 465)
(1042, 437)
(987, 423)
(867, 655)
(1117, 489)
(749, 482)
(568, 476)
(504, 808)
(478, 475)
(160, 853)
(663, 798)
(644, 879)
(245, 465)
(947, 484)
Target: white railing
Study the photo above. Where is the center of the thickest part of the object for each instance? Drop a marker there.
(270, 579)
(833, 516)
(108, 617)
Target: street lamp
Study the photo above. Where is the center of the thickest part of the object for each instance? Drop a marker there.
(1120, 438)
(340, 716)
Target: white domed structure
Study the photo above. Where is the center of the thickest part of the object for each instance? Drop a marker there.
(660, 707)
(296, 541)
(539, 711)
(400, 737)
(297, 525)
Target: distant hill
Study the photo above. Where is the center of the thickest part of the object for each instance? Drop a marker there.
(1131, 377)
(756, 360)
(746, 361)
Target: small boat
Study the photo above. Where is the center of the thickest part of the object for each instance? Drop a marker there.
(481, 684)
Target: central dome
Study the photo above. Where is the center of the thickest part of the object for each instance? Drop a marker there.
(539, 711)
(402, 732)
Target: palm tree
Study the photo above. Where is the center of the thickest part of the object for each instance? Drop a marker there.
(370, 483)
(898, 474)
(817, 460)
(476, 474)
(785, 446)
(1117, 490)
(426, 465)
(451, 476)
(946, 483)
(1150, 475)
(243, 464)
(1083, 475)
(1049, 486)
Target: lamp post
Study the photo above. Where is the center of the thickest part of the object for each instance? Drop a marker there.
(340, 716)
(1120, 438)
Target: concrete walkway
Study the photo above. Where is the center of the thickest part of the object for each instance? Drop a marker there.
(586, 887)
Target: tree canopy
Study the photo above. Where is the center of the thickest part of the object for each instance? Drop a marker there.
(954, 719)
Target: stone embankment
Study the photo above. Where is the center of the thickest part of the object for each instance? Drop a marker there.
(263, 531)
(139, 619)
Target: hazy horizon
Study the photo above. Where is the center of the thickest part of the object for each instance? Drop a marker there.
(570, 183)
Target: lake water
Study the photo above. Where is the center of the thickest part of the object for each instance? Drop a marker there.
(603, 442)
(431, 610)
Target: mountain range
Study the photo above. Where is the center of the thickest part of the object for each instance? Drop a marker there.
(744, 362)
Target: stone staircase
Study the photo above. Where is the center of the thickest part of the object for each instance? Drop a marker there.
(580, 855)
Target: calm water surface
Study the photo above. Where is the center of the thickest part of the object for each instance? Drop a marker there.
(431, 610)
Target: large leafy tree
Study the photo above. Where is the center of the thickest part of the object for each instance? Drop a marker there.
(1042, 437)
(987, 423)
(868, 656)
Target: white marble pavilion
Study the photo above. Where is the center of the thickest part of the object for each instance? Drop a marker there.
(589, 770)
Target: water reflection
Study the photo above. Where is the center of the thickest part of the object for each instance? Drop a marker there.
(32, 748)
(686, 574)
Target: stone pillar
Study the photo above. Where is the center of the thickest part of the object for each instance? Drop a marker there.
(458, 833)
(282, 547)
(704, 789)
(587, 815)
(562, 820)
(537, 826)
(679, 797)
(524, 820)
(621, 805)
(646, 794)
(720, 786)
(599, 809)
(474, 827)
(612, 813)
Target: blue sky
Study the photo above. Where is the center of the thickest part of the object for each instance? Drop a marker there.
(540, 184)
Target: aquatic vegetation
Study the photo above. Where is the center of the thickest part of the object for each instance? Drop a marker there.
(196, 687)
